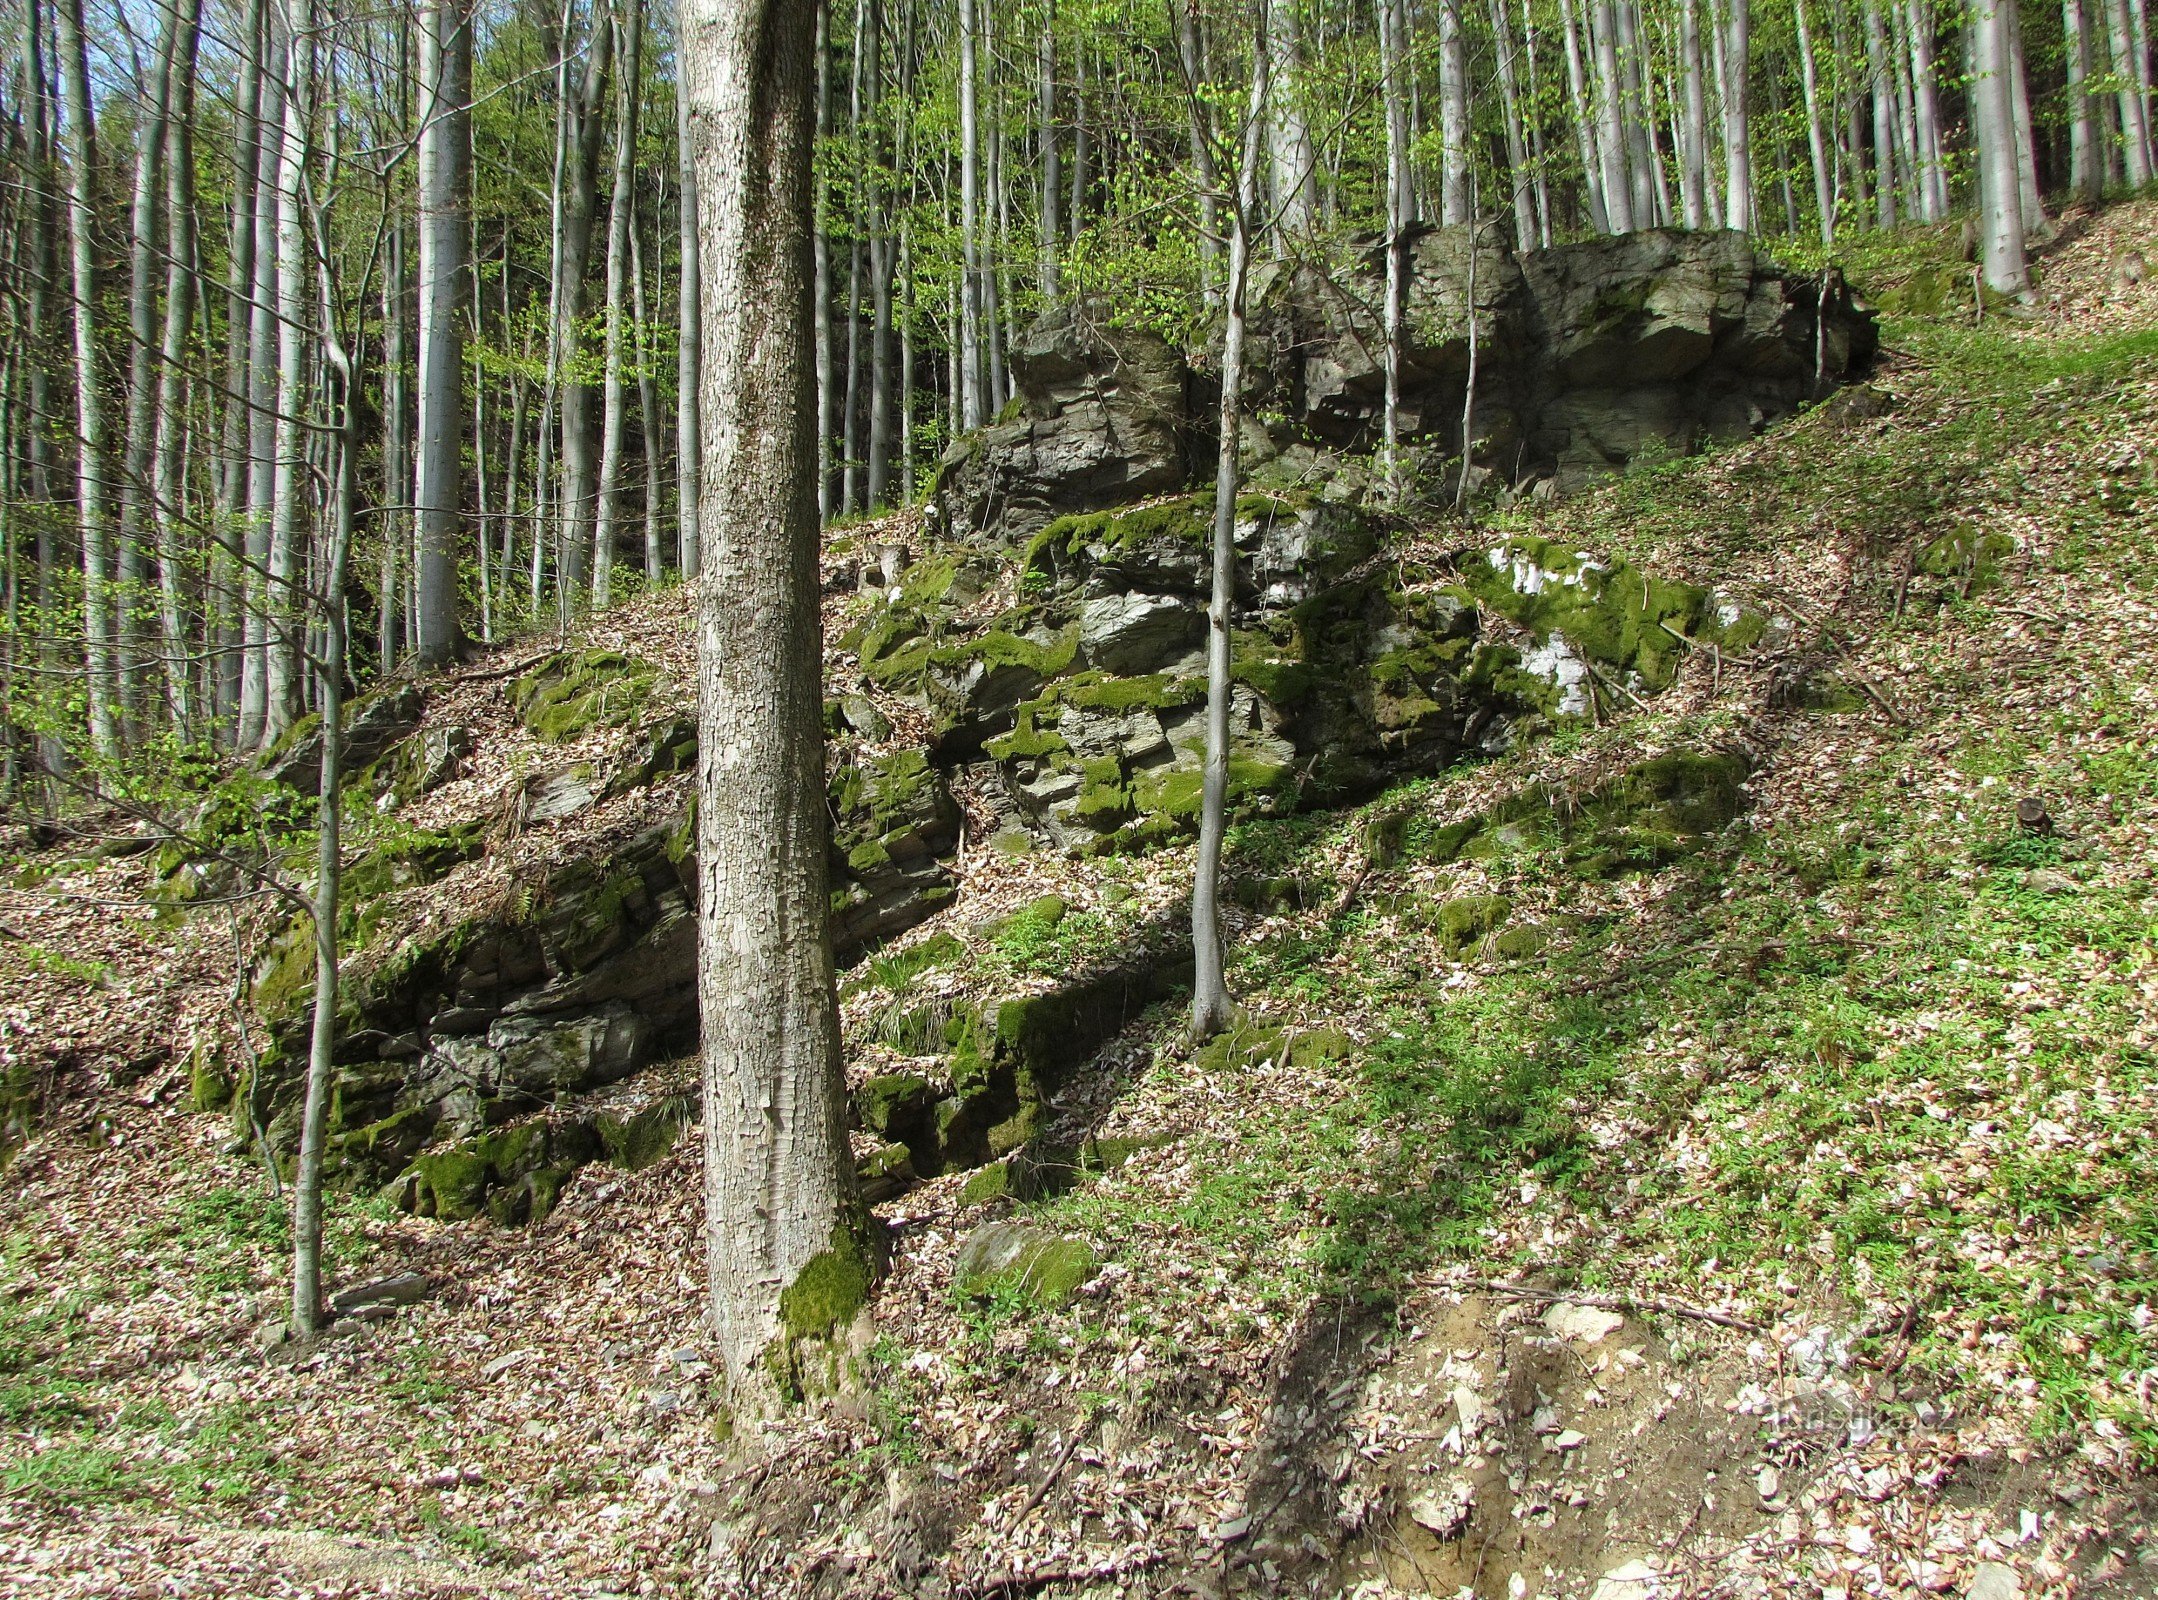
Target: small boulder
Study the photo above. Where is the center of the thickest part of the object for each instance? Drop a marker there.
(1045, 1267)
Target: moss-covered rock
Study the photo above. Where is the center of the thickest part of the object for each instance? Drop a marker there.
(575, 691)
(1467, 921)
(1623, 622)
(1009, 1257)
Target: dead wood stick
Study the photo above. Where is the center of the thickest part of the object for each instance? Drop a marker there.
(484, 674)
(1080, 1430)
(1612, 1302)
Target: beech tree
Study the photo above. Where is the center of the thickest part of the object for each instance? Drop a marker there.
(785, 1243)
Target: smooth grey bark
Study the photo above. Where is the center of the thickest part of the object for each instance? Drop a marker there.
(1539, 165)
(1400, 210)
(689, 338)
(1048, 226)
(1517, 152)
(2086, 169)
(972, 375)
(1292, 186)
(1693, 145)
(282, 684)
(390, 618)
(1586, 135)
(227, 583)
(1737, 123)
(168, 463)
(1191, 58)
(1211, 1008)
(1994, 131)
(1885, 177)
(580, 464)
(821, 261)
(145, 245)
(2033, 204)
(445, 198)
(329, 703)
(1824, 177)
(648, 418)
(1925, 103)
(779, 1180)
(607, 506)
(1651, 206)
(262, 396)
(1455, 156)
(1610, 130)
(92, 514)
(2134, 108)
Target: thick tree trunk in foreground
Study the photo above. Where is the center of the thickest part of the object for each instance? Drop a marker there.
(784, 1241)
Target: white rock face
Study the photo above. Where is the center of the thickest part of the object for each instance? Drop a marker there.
(1995, 1581)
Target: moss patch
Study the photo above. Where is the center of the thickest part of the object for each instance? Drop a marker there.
(574, 691)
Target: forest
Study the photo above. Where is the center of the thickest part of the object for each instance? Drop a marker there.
(1102, 797)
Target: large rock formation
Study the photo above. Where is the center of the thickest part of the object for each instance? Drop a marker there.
(1053, 632)
(1586, 357)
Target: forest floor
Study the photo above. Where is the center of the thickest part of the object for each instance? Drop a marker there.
(1786, 1225)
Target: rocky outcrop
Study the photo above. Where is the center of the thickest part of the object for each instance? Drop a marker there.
(1586, 357)
(1102, 421)
(569, 983)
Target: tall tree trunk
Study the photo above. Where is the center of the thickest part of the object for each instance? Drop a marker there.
(92, 514)
(1737, 124)
(972, 370)
(2034, 210)
(1211, 1008)
(2134, 109)
(1650, 205)
(1517, 153)
(262, 394)
(1400, 206)
(1925, 102)
(228, 583)
(397, 475)
(1048, 226)
(648, 418)
(580, 465)
(1610, 124)
(445, 181)
(1994, 130)
(827, 408)
(1586, 127)
(344, 447)
(1455, 156)
(628, 89)
(689, 340)
(1191, 59)
(144, 248)
(1824, 177)
(1291, 184)
(168, 461)
(1693, 147)
(786, 1240)
(282, 682)
(2086, 170)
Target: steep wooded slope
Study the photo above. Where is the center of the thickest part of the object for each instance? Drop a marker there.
(1867, 1079)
